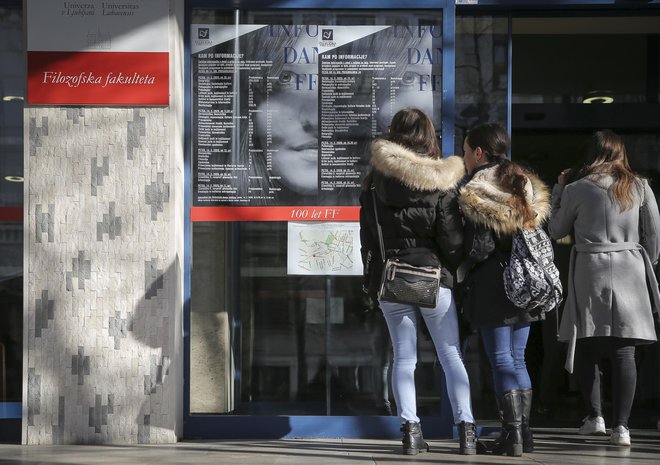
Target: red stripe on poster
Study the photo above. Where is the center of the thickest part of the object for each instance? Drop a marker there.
(11, 214)
(275, 213)
(98, 78)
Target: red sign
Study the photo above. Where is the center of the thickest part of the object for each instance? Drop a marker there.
(323, 213)
(98, 78)
(11, 214)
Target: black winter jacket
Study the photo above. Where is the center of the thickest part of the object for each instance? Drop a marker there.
(490, 220)
(418, 212)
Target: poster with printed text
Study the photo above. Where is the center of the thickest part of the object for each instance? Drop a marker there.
(283, 115)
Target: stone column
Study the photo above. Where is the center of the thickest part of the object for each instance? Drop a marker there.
(104, 270)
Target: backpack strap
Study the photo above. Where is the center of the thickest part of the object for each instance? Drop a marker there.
(548, 279)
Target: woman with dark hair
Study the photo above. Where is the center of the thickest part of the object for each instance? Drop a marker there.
(612, 291)
(497, 198)
(414, 190)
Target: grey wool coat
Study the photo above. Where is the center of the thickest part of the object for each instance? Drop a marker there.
(611, 287)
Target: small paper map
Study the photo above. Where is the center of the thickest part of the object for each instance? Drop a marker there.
(324, 249)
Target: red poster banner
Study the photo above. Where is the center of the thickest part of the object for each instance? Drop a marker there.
(11, 214)
(98, 78)
(291, 213)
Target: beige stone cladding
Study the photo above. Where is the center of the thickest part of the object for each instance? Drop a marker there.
(102, 274)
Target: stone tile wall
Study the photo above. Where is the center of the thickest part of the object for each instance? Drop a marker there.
(102, 272)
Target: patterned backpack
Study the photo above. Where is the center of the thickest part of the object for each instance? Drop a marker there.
(531, 279)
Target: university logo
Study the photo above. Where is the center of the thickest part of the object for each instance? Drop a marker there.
(327, 34)
(203, 33)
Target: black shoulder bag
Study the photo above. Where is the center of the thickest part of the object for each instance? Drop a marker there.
(404, 283)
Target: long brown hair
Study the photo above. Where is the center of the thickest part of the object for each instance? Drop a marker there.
(494, 142)
(606, 155)
(413, 129)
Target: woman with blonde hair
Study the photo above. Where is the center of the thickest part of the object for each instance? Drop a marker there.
(612, 291)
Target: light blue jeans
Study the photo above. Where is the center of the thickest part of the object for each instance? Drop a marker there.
(442, 323)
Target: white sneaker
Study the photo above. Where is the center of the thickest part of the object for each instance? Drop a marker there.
(620, 436)
(593, 426)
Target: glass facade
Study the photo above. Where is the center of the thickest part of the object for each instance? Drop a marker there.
(266, 340)
(12, 90)
(482, 72)
(309, 345)
(607, 77)
(297, 342)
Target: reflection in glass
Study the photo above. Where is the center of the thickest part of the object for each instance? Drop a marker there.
(612, 57)
(12, 90)
(550, 127)
(296, 357)
(481, 73)
(299, 358)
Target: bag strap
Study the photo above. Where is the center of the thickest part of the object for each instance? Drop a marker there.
(380, 231)
(548, 278)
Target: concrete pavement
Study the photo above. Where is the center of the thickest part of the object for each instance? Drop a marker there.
(553, 447)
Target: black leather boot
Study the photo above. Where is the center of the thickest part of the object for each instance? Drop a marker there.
(498, 447)
(512, 419)
(525, 430)
(467, 438)
(413, 441)
(510, 440)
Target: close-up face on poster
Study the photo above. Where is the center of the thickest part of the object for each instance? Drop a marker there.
(284, 115)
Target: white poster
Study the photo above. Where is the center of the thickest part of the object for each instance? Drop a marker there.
(324, 249)
(98, 25)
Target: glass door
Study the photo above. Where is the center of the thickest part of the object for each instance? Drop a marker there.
(607, 78)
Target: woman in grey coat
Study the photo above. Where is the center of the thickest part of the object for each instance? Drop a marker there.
(612, 291)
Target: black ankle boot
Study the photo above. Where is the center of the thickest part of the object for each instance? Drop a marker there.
(413, 441)
(467, 438)
(525, 430)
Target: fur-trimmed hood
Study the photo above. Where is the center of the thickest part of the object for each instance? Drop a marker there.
(414, 171)
(484, 202)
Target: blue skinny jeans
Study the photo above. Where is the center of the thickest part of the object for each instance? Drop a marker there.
(505, 348)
